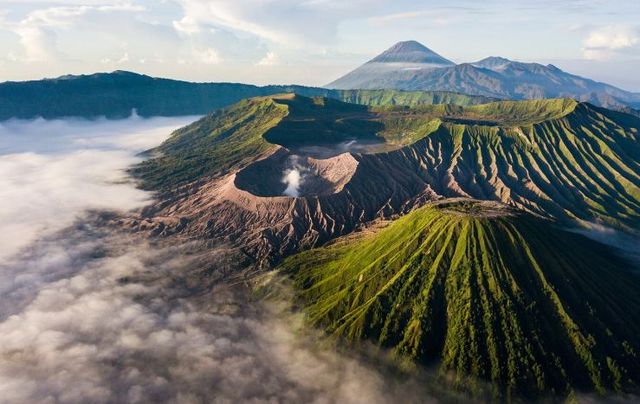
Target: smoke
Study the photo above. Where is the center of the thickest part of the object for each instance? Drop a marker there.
(294, 177)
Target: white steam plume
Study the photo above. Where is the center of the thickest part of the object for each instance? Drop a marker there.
(294, 177)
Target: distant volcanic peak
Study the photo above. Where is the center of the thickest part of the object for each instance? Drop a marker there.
(410, 52)
(493, 62)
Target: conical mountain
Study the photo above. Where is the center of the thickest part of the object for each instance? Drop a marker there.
(483, 293)
(410, 52)
(403, 56)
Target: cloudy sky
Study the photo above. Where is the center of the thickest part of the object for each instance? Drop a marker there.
(309, 41)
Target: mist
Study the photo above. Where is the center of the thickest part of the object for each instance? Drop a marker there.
(52, 171)
(626, 245)
(90, 313)
(121, 328)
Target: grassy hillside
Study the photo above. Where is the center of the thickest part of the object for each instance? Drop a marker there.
(484, 292)
(583, 165)
(215, 144)
(115, 95)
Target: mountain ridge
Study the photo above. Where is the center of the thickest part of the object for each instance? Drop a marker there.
(485, 290)
(494, 76)
(114, 95)
(223, 174)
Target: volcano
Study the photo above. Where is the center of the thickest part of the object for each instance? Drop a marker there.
(475, 274)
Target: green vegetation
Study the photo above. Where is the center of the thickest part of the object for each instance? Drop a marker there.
(484, 293)
(212, 145)
(409, 98)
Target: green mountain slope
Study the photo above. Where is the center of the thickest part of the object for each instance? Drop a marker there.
(212, 145)
(485, 292)
(115, 95)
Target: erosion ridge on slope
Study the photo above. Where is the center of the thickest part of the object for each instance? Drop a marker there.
(484, 291)
(501, 286)
(566, 160)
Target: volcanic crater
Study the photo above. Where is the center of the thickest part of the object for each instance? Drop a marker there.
(284, 173)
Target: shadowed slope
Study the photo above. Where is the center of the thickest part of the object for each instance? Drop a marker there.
(484, 292)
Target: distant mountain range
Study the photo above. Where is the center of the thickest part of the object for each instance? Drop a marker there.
(117, 94)
(412, 66)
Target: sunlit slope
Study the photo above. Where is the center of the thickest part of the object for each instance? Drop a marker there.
(483, 292)
(228, 139)
(212, 145)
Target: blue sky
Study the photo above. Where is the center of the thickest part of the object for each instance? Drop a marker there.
(309, 41)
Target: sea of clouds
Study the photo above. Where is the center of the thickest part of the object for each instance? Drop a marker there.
(90, 314)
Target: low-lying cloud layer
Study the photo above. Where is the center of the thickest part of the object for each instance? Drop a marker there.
(51, 171)
(117, 330)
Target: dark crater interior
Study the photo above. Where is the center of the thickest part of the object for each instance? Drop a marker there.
(288, 174)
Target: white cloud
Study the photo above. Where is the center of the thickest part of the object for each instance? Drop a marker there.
(51, 171)
(605, 42)
(117, 329)
(270, 59)
(286, 22)
(612, 37)
(187, 25)
(121, 60)
(38, 29)
(207, 56)
(437, 18)
(39, 43)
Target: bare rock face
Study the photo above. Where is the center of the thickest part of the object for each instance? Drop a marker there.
(336, 196)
